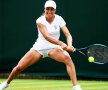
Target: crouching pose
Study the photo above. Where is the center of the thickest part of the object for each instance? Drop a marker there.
(48, 45)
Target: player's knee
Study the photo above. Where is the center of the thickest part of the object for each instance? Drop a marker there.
(67, 60)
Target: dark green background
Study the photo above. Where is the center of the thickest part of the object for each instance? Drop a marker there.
(87, 21)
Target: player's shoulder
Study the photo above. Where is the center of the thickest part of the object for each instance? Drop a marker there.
(41, 18)
(58, 16)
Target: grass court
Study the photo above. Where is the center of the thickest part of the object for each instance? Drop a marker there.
(42, 84)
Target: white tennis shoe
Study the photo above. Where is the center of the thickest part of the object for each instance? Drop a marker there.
(3, 85)
(77, 87)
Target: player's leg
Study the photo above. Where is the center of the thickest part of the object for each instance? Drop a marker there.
(29, 58)
(61, 55)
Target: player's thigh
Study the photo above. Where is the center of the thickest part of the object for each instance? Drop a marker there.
(60, 55)
(29, 58)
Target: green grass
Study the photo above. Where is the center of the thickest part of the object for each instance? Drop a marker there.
(39, 84)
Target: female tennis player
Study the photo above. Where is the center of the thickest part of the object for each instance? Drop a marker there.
(48, 45)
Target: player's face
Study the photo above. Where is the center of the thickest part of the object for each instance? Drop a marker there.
(49, 12)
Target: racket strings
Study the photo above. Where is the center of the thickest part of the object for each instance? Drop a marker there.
(100, 53)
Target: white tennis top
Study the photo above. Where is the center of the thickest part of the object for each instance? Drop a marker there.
(53, 30)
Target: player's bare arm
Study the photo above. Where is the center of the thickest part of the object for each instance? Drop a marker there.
(69, 38)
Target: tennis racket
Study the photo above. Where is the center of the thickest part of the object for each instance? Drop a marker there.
(98, 51)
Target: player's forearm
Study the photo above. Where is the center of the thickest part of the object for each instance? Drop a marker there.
(53, 40)
(69, 40)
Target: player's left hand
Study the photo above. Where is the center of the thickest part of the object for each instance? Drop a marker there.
(70, 48)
